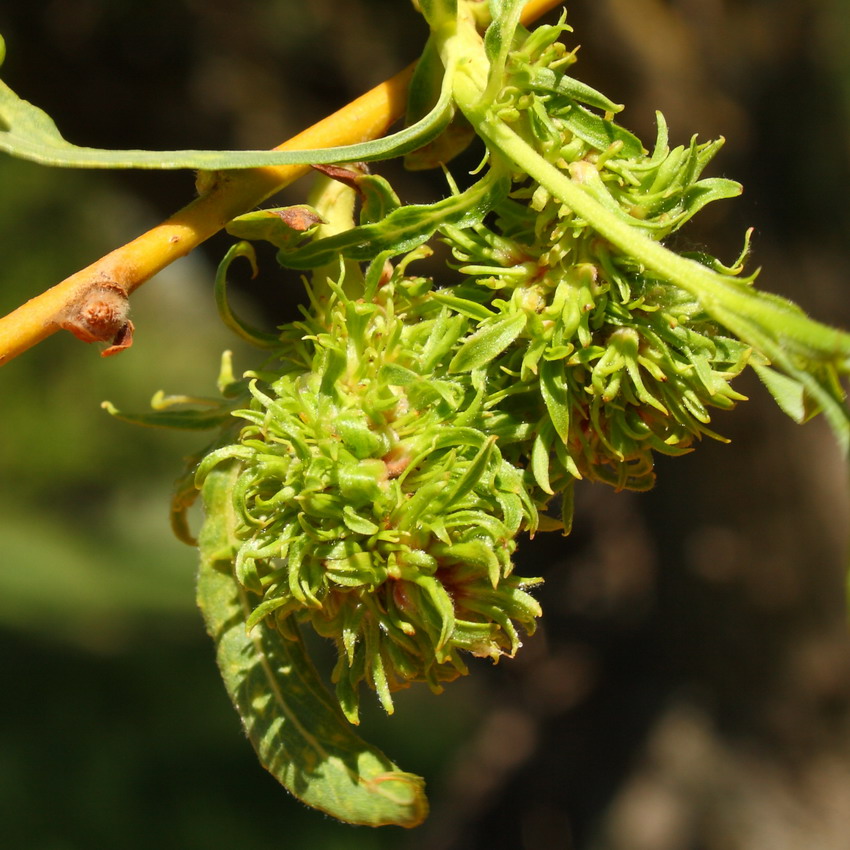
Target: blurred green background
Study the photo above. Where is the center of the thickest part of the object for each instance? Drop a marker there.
(690, 687)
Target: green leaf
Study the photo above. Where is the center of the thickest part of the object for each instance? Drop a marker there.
(448, 436)
(585, 94)
(568, 507)
(498, 40)
(424, 93)
(426, 84)
(27, 132)
(478, 553)
(540, 464)
(298, 731)
(357, 523)
(470, 309)
(399, 376)
(813, 357)
(487, 342)
(445, 332)
(193, 419)
(240, 328)
(547, 80)
(379, 198)
(787, 392)
(601, 133)
(443, 623)
(553, 388)
(405, 228)
(284, 227)
(472, 475)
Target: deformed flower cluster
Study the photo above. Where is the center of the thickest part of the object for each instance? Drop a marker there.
(372, 501)
(626, 363)
(407, 430)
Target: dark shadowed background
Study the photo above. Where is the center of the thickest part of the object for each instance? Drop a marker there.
(690, 686)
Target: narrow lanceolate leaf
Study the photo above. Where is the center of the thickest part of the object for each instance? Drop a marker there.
(298, 731)
(424, 93)
(487, 343)
(249, 334)
(540, 464)
(553, 388)
(498, 39)
(405, 228)
(545, 79)
(28, 132)
(789, 394)
(197, 419)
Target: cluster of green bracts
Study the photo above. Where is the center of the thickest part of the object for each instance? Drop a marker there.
(408, 429)
(371, 500)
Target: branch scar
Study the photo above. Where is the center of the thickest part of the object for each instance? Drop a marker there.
(100, 314)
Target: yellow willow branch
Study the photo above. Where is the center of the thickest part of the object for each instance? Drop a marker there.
(92, 302)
